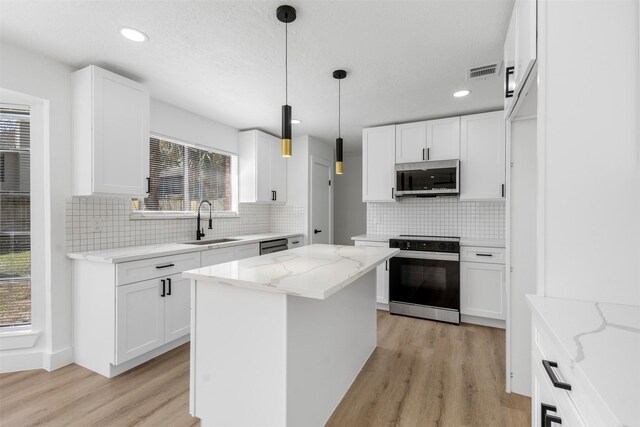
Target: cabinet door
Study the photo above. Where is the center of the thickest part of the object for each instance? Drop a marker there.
(263, 159)
(120, 135)
(177, 308)
(246, 251)
(278, 172)
(411, 142)
(378, 162)
(443, 139)
(139, 319)
(382, 273)
(525, 41)
(482, 290)
(509, 65)
(482, 157)
(217, 256)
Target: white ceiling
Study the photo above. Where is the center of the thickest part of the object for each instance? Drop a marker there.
(225, 59)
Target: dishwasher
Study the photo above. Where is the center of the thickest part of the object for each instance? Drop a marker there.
(273, 246)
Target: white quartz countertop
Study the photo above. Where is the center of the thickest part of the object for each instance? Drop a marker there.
(134, 253)
(487, 243)
(315, 271)
(603, 343)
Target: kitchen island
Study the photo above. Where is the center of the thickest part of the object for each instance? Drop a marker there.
(277, 340)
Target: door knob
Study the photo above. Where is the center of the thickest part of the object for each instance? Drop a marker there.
(317, 231)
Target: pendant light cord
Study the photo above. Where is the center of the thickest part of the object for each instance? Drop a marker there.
(286, 63)
(339, 136)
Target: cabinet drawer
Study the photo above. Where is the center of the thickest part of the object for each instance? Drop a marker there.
(135, 271)
(217, 256)
(480, 254)
(294, 242)
(247, 251)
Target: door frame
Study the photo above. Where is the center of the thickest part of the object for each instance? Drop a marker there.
(329, 165)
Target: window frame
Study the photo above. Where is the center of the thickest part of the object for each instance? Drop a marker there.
(233, 210)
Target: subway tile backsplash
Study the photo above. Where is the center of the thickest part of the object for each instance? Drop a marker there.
(85, 215)
(440, 216)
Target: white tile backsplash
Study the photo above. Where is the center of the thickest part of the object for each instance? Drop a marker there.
(117, 229)
(440, 216)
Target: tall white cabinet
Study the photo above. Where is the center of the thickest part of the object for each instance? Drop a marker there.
(378, 163)
(110, 134)
(482, 157)
(262, 169)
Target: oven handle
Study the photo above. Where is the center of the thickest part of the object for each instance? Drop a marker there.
(436, 256)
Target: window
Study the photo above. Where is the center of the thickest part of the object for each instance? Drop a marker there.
(15, 217)
(181, 176)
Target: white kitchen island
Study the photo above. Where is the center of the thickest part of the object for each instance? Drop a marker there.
(277, 340)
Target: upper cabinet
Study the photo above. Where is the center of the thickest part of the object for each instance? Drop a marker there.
(378, 163)
(482, 157)
(110, 134)
(428, 140)
(520, 50)
(262, 169)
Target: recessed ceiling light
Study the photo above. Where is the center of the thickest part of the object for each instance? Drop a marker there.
(461, 93)
(133, 34)
(295, 121)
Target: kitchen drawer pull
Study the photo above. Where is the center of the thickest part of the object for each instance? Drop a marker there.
(296, 242)
(169, 281)
(544, 408)
(164, 290)
(548, 419)
(484, 254)
(165, 266)
(548, 365)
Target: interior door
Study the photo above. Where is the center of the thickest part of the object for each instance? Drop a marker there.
(320, 201)
(177, 308)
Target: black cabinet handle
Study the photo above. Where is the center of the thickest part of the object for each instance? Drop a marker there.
(484, 254)
(148, 185)
(295, 243)
(169, 282)
(164, 290)
(502, 190)
(508, 93)
(544, 408)
(392, 193)
(428, 154)
(386, 265)
(315, 231)
(548, 419)
(552, 375)
(423, 151)
(166, 265)
(275, 195)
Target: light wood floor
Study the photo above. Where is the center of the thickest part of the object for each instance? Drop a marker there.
(422, 374)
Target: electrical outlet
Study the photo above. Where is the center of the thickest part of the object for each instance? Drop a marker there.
(95, 226)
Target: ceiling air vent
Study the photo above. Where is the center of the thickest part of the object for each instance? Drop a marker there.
(484, 71)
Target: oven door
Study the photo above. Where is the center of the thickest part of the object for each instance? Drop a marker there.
(433, 282)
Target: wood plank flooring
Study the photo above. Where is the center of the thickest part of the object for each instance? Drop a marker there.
(422, 374)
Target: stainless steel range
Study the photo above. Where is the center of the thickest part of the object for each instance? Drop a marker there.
(424, 278)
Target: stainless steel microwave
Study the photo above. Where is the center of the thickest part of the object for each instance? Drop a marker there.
(427, 179)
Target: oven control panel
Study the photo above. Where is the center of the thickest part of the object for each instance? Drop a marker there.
(425, 245)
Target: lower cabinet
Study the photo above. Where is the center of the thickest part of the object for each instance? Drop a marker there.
(483, 284)
(382, 275)
(233, 253)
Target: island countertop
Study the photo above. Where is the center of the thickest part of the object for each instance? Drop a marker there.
(315, 271)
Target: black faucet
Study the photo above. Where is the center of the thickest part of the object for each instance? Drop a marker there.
(200, 232)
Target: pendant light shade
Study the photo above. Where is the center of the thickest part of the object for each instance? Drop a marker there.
(339, 75)
(286, 14)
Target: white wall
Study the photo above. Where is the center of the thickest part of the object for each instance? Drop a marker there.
(588, 114)
(350, 213)
(168, 120)
(50, 82)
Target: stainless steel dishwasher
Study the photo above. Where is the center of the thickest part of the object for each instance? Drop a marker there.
(273, 246)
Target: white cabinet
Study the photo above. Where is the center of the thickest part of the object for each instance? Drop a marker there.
(139, 319)
(246, 251)
(262, 169)
(411, 142)
(378, 163)
(382, 275)
(110, 134)
(428, 140)
(482, 157)
(222, 255)
(483, 290)
(520, 50)
(443, 139)
(295, 242)
(177, 308)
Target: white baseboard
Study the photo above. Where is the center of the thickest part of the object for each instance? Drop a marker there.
(12, 361)
(57, 359)
(483, 321)
(382, 306)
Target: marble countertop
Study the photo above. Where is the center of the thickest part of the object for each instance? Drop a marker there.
(133, 253)
(603, 343)
(487, 243)
(315, 271)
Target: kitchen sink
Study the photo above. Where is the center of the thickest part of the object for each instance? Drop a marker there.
(211, 242)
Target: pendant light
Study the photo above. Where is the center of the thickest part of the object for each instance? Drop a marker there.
(286, 14)
(339, 75)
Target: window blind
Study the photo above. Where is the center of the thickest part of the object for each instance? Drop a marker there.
(15, 217)
(181, 176)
